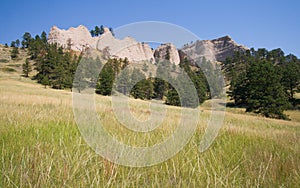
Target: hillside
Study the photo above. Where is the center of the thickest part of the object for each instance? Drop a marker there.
(9, 66)
(41, 145)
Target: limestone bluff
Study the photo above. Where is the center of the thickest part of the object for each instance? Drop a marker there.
(80, 39)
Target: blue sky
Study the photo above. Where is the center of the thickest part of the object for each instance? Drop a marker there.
(256, 23)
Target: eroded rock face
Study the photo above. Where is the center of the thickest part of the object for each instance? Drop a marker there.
(127, 47)
(80, 39)
(77, 39)
(167, 52)
(225, 47)
(213, 50)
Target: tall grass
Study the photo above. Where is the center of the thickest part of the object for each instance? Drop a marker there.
(41, 146)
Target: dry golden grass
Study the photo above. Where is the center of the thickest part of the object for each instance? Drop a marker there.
(42, 147)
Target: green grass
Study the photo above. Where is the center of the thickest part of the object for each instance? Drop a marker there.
(42, 147)
(7, 69)
(4, 61)
(14, 65)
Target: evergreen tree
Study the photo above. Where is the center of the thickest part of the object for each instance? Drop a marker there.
(45, 81)
(37, 48)
(14, 53)
(26, 39)
(137, 84)
(125, 62)
(26, 68)
(264, 93)
(44, 37)
(106, 80)
(97, 31)
(198, 79)
(13, 44)
(17, 43)
(92, 33)
(160, 83)
(81, 81)
(148, 88)
(237, 90)
(263, 81)
(291, 78)
(123, 82)
(101, 29)
(172, 97)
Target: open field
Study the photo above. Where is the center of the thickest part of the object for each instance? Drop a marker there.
(41, 146)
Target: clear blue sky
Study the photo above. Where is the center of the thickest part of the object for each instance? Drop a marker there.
(257, 23)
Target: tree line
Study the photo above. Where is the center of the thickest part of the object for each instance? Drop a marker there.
(97, 31)
(55, 67)
(263, 81)
(115, 78)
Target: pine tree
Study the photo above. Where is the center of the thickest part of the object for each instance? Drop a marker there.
(291, 78)
(97, 31)
(26, 68)
(106, 80)
(123, 82)
(237, 90)
(138, 84)
(198, 78)
(45, 81)
(92, 33)
(148, 89)
(17, 43)
(13, 44)
(264, 93)
(26, 39)
(101, 30)
(172, 97)
(44, 37)
(160, 81)
(14, 53)
(80, 81)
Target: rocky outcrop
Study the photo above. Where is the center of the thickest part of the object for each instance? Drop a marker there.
(80, 39)
(77, 39)
(213, 50)
(127, 47)
(167, 52)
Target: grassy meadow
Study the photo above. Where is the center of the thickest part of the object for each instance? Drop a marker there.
(41, 146)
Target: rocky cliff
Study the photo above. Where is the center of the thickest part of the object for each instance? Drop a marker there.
(167, 51)
(77, 39)
(80, 39)
(213, 50)
(127, 47)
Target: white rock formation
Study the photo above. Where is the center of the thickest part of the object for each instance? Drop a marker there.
(77, 39)
(165, 50)
(127, 47)
(213, 50)
(80, 39)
